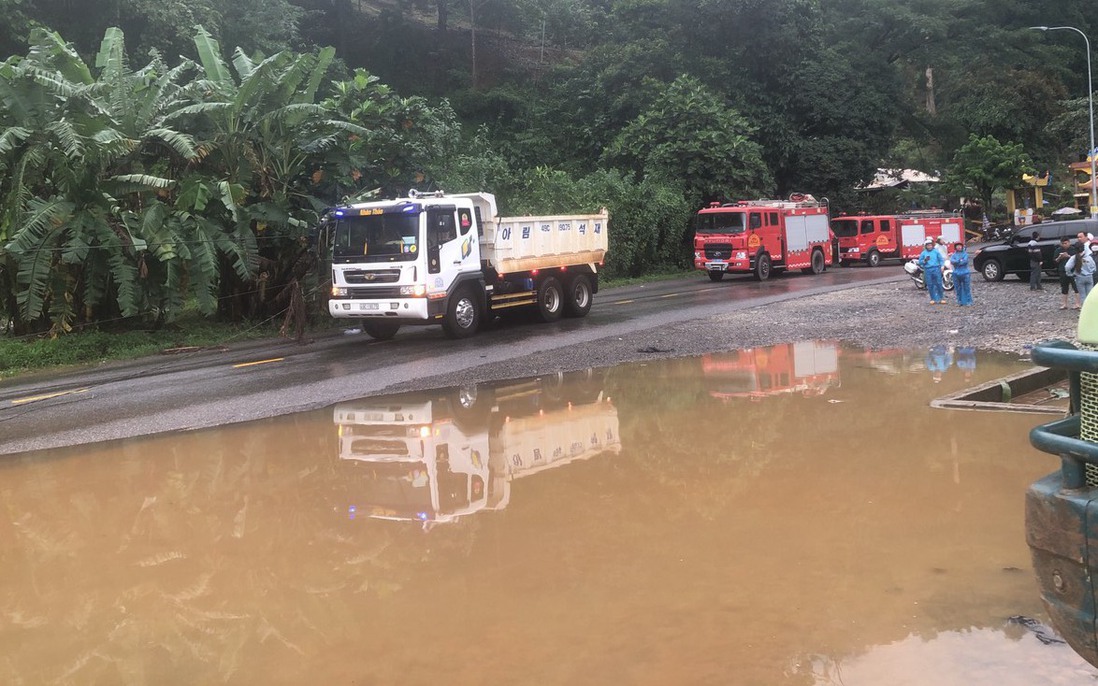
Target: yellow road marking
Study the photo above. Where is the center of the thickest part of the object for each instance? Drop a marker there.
(252, 364)
(47, 396)
(622, 302)
(671, 295)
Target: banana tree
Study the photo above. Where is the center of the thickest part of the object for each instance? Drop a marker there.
(86, 157)
(266, 135)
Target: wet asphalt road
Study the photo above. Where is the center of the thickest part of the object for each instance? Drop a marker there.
(266, 379)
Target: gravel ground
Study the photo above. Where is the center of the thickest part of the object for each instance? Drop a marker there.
(1006, 317)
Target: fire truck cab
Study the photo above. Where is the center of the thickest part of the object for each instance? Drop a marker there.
(761, 236)
(872, 238)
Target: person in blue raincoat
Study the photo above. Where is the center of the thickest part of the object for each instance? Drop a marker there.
(962, 274)
(932, 263)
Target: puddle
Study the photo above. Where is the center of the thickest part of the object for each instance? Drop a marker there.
(796, 514)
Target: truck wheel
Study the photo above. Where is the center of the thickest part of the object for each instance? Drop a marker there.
(762, 267)
(462, 315)
(382, 331)
(579, 299)
(992, 270)
(818, 263)
(715, 275)
(550, 299)
(873, 259)
(471, 406)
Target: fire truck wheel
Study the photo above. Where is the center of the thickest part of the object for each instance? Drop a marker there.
(578, 301)
(715, 275)
(873, 259)
(762, 267)
(992, 270)
(550, 300)
(462, 314)
(818, 262)
(382, 331)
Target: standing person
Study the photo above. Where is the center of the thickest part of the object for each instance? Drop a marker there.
(1067, 279)
(1082, 264)
(931, 262)
(1034, 251)
(940, 246)
(962, 275)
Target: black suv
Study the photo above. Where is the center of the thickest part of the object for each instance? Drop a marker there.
(998, 258)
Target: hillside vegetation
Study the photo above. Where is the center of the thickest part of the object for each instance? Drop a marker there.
(163, 155)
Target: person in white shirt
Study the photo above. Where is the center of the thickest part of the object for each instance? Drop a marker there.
(1081, 264)
(940, 246)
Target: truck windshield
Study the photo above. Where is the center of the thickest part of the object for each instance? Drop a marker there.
(720, 222)
(845, 228)
(389, 237)
(402, 489)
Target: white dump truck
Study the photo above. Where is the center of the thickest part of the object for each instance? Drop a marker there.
(437, 457)
(436, 258)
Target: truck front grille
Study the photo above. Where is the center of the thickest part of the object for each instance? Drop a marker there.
(718, 251)
(357, 276)
(376, 292)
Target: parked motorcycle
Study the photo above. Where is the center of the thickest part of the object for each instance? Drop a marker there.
(916, 273)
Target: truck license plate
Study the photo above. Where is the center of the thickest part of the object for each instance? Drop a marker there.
(719, 266)
(367, 306)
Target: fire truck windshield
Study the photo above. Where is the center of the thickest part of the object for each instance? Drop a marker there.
(845, 228)
(387, 237)
(720, 222)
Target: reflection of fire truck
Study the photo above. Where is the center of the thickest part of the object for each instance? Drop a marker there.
(807, 367)
(435, 458)
(758, 236)
(872, 238)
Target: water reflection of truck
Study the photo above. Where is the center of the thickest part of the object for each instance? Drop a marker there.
(807, 367)
(437, 457)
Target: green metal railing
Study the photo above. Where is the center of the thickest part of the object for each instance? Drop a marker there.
(1075, 437)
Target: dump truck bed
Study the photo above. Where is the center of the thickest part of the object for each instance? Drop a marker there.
(519, 244)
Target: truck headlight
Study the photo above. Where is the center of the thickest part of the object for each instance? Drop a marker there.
(416, 291)
(339, 292)
(697, 254)
(741, 255)
(855, 250)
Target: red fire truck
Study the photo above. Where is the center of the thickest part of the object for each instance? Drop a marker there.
(872, 238)
(760, 236)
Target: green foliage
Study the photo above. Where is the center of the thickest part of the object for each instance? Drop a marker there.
(402, 142)
(130, 189)
(690, 134)
(984, 165)
(20, 355)
(473, 165)
(649, 219)
(127, 190)
(81, 148)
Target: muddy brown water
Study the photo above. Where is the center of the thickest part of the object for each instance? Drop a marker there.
(789, 515)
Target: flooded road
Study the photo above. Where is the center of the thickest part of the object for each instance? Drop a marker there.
(790, 515)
